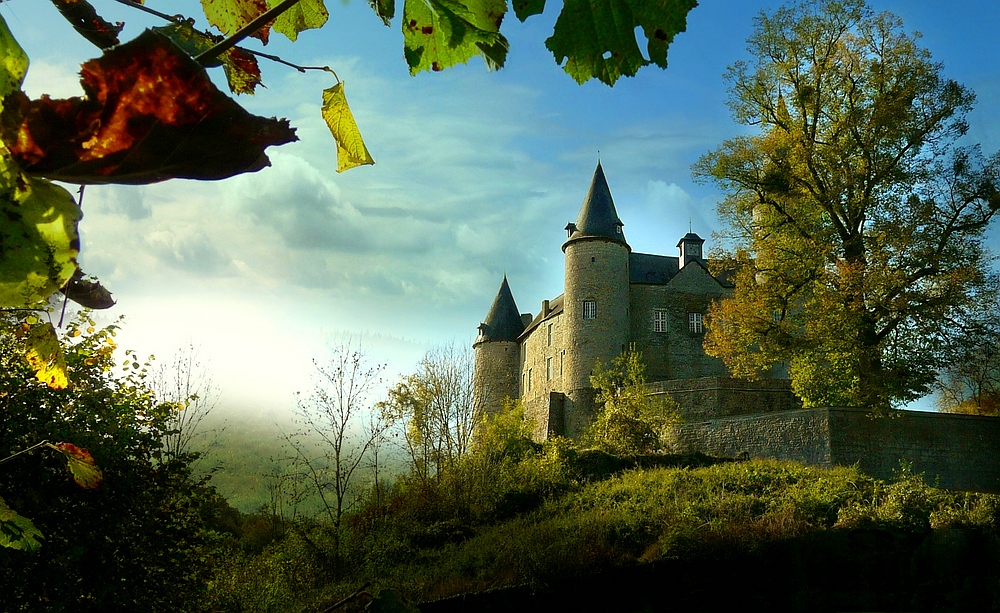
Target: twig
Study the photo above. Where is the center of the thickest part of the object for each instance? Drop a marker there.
(358, 592)
(267, 56)
(136, 5)
(32, 448)
(245, 31)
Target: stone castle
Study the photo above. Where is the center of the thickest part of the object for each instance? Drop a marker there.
(614, 298)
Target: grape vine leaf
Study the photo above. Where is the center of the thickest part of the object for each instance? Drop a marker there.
(88, 23)
(384, 9)
(231, 15)
(81, 465)
(13, 63)
(596, 38)
(86, 292)
(16, 531)
(439, 34)
(526, 8)
(150, 114)
(304, 15)
(351, 150)
(242, 71)
(45, 356)
(38, 237)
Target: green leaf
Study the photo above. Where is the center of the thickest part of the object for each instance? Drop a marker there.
(231, 15)
(13, 63)
(45, 356)
(439, 34)
(242, 71)
(526, 8)
(38, 237)
(596, 38)
(304, 15)
(385, 9)
(351, 150)
(17, 532)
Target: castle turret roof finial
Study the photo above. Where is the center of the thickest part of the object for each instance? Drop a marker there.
(503, 322)
(598, 217)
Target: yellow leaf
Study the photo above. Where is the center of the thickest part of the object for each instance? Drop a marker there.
(351, 150)
(81, 464)
(45, 356)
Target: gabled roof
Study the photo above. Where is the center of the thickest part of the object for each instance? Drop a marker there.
(598, 217)
(503, 322)
(555, 308)
(652, 269)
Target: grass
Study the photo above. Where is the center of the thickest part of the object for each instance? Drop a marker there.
(587, 525)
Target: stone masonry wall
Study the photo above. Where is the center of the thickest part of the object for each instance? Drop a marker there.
(956, 451)
(676, 352)
(802, 436)
(710, 397)
(952, 451)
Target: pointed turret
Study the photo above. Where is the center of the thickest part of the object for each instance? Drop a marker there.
(497, 366)
(598, 217)
(503, 322)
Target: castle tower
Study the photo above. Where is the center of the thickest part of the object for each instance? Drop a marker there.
(596, 298)
(497, 357)
(690, 247)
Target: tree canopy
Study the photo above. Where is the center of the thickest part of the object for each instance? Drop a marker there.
(856, 211)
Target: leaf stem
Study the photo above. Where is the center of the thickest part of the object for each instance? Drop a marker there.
(32, 448)
(146, 9)
(245, 31)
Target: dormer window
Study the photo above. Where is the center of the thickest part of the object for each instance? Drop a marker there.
(570, 229)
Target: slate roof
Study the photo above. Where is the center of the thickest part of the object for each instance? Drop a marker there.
(555, 308)
(598, 217)
(503, 322)
(649, 268)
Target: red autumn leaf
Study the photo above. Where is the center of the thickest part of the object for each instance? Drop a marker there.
(150, 114)
(81, 465)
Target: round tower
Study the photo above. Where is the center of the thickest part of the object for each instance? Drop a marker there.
(596, 298)
(497, 353)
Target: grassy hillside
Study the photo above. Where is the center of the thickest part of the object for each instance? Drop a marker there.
(562, 516)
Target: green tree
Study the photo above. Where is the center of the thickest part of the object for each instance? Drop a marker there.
(856, 218)
(437, 410)
(629, 421)
(143, 539)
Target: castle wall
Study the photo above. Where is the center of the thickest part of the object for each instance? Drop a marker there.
(711, 397)
(801, 436)
(495, 378)
(596, 270)
(542, 368)
(675, 352)
(952, 451)
(959, 451)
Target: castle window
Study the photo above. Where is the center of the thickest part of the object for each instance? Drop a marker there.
(548, 369)
(590, 309)
(659, 320)
(550, 335)
(694, 322)
(529, 379)
(562, 359)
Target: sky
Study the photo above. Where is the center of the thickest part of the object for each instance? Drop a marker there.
(476, 175)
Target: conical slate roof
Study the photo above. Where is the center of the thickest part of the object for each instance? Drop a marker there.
(503, 322)
(598, 217)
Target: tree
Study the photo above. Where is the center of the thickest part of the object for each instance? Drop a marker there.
(438, 410)
(187, 388)
(143, 539)
(332, 414)
(969, 381)
(856, 218)
(629, 421)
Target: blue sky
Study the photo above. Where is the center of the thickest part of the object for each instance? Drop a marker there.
(477, 173)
